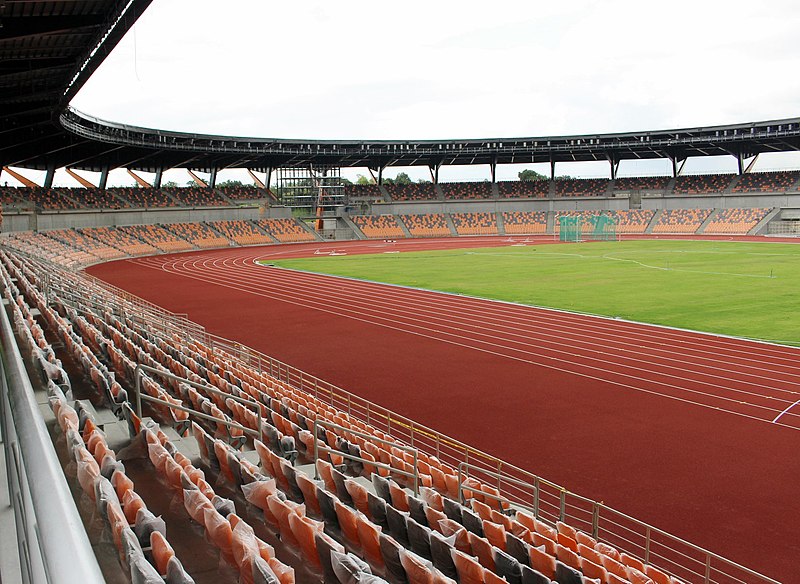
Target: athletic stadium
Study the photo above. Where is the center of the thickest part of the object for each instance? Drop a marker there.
(305, 378)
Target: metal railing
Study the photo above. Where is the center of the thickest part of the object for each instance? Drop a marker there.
(317, 449)
(52, 541)
(138, 397)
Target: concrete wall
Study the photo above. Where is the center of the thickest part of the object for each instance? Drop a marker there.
(66, 219)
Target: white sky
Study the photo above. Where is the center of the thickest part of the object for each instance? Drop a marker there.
(453, 69)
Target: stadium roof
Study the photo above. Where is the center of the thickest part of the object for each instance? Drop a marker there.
(49, 49)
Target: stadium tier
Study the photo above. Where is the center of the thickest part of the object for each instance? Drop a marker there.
(370, 191)
(157, 236)
(196, 196)
(581, 187)
(466, 191)
(379, 227)
(285, 230)
(242, 232)
(527, 189)
(525, 222)
(644, 183)
(475, 223)
(412, 192)
(198, 234)
(735, 221)
(702, 184)
(431, 225)
(680, 221)
(766, 182)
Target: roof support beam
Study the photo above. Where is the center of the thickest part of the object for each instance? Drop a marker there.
(158, 178)
(212, 180)
(103, 178)
(197, 180)
(26, 181)
(139, 180)
(751, 164)
(84, 182)
(256, 180)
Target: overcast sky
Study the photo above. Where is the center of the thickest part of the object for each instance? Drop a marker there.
(442, 69)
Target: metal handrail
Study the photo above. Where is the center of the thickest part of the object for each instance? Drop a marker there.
(317, 449)
(137, 391)
(61, 541)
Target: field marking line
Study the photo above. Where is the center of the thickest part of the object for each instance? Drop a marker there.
(784, 411)
(204, 266)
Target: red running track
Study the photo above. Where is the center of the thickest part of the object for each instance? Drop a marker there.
(694, 433)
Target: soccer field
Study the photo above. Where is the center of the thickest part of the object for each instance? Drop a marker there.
(735, 288)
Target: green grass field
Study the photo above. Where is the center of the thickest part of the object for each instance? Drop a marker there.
(743, 289)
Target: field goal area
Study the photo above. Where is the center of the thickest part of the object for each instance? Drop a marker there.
(573, 228)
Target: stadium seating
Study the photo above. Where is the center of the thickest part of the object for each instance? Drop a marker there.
(581, 187)
(466, 191)
(242, 232)
(702, 184)
(12, 197)
(242, 193)
(527, 189)
(156, 236)
(431, 225)
(379, 227)
(525, 222)
(81, 241)
(735, 221)
(642, 183)
(412, 192)
(633, 220)
(680, 221)
(766, 182)
(141, 197)
(474, 223)
(370, 191)
(50, 199)
(285, 230)
(198, 234)
(196, 196)
(119, 239)
(94, 198)
(51, 249)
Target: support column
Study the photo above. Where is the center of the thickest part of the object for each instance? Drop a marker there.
(674, 162)
(212, 180)
(158, 178)
(740, 163)
(380, 175)
(103, 178)
(434, 169)
(614, 166)
(552, 169)
(493, 168)
(48, 178)
(268, 177)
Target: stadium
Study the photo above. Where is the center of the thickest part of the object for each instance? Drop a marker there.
(301, 377)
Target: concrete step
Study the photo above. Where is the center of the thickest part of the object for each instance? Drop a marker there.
(654, 220)
(708, 220)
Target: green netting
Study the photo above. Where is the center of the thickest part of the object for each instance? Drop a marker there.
(570, 227)
(604, 228)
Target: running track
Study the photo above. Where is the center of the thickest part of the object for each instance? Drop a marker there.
(697, 434)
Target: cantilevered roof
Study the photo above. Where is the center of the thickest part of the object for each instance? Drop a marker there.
(48, 49)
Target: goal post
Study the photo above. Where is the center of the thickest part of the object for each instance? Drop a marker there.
(570, 228)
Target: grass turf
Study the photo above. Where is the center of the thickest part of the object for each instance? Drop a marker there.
(735, 288)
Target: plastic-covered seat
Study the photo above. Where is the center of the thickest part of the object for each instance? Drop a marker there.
(416, 508)
(358, 494)
(349, 569)
(471, 521)
(542, 561)
(448, 527)
(325, 546)
(567, 556)
(369, 536)
(469, 570)
(305, 530)
(398, 527)
(377, 510)
(531, 576)
(327, 505)
(482, 550)
(418, 570)
(419, 538)
(161, 550)
(440, 554)
(591, 569)
(518, 549)
(567, 575)
(390, 550)
(399, 497)
(507, 567)
(309, 491)
(347, 521)
(219, 531)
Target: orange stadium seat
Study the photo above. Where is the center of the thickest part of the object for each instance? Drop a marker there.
(525, 222)
(681, 221)
(475, 223)
(285, 230)
(378, 227)
(431, 225)
(735, 221)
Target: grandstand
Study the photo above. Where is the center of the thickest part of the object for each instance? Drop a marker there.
(380, 227)
(190, 457)
(429, 225)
